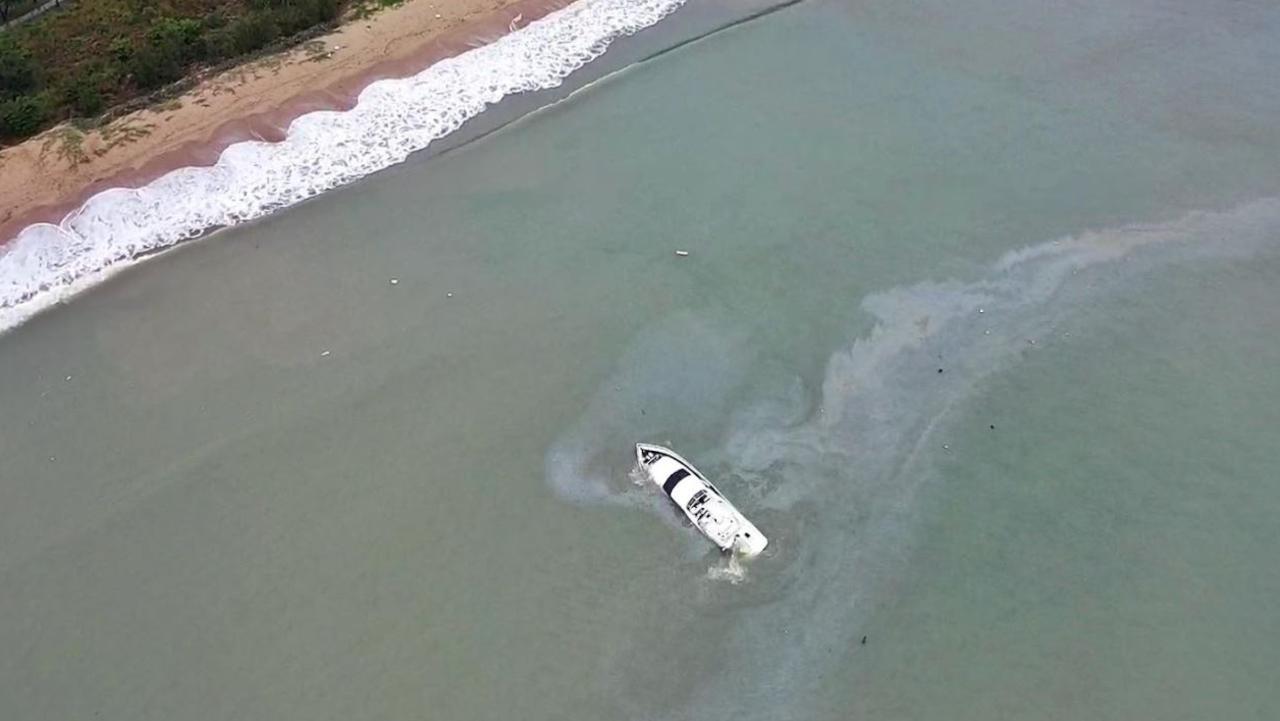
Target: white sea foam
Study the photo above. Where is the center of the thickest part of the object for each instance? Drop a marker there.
(46, 263)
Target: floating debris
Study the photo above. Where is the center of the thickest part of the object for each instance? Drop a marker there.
(448, 295)
(395, 281)
(68, 377)
(682, 253)
(324, 354)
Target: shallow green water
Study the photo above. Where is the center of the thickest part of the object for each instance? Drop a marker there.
(1100, 552)
(252, 478)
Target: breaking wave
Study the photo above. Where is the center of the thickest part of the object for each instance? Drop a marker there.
(46, 263)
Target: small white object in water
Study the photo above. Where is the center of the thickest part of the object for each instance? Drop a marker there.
(981, 310)
(68, 377)
(682, 253)
(395, 281)
(324, 354)
(703, 503)
(448, 295)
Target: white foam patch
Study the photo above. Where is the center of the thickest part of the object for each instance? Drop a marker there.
(729, 569)
(46, 263)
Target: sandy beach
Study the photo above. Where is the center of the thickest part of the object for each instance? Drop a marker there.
(45, 177)
(973, 310)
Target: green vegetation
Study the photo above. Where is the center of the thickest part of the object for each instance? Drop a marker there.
(10, 9)
(362, 9)
(95, 54)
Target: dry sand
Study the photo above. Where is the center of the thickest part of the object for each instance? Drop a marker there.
(45, 177)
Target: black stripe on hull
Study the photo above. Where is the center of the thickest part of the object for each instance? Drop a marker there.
(673, 479)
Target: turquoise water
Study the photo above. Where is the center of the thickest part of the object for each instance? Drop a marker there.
(254, 478)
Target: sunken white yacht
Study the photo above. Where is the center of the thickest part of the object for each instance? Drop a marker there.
(700, 500)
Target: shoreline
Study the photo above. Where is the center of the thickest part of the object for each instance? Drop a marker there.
(256, 100)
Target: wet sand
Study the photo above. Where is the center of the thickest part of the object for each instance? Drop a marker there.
(367, 457)
(46, 177)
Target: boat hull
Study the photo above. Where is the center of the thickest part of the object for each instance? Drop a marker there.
(700, 501)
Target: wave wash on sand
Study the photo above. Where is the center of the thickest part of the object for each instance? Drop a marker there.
(46, 263)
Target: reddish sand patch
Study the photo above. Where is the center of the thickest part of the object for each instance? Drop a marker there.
(44, 178)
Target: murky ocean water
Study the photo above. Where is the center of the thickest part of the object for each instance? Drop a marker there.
(979, 323)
